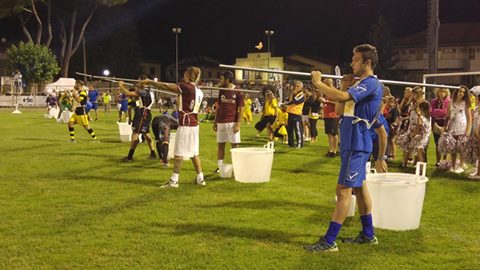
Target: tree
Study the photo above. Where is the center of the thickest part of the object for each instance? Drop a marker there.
(70, 16)
(381, 37)
(36, 62)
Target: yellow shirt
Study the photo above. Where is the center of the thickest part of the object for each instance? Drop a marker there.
(270, 107)
(296, 109)
(248, 105)
(472, 102)
(282, 118)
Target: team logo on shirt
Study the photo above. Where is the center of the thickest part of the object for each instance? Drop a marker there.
(360, 88)
(351, 175)
(228, 100)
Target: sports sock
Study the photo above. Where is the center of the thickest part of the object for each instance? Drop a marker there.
(159, 150)
(200, 177)
(152, 153)
(92, 133)
(174, 177)
(72, 133)
(130, 153)
(367, 225)
(332, 232)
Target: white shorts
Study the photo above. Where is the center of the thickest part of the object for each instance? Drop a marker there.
(225, 133)
(187, 142)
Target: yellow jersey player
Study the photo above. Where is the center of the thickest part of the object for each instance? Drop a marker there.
(80, 115)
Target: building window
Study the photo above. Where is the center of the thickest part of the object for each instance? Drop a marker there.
(471, 54)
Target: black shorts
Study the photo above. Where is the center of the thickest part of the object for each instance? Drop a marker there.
(331, 126)
(268, 119)
(141, 120)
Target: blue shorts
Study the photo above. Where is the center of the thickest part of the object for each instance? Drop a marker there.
(124, 107)
(352, 170)
(95, 106)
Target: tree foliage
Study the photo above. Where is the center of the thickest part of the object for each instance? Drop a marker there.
(36, 62)
(70, 19)
(381, 37)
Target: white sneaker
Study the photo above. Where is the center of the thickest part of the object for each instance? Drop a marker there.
(459, 170)
(170, 184)
(474, 176)
(200, 183)
(465, 166)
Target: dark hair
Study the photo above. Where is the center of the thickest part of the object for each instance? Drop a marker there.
(466, 97)
(368, 52)
(228, 75)
(424, 107)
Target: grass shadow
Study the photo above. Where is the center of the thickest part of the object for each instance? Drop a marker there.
(263, 235)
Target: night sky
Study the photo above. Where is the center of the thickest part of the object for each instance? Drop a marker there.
(226, 29)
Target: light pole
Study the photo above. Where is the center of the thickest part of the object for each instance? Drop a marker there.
(176, 31)
(268, 33)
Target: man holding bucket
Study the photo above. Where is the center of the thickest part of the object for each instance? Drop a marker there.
(227, 117)
(360, 103)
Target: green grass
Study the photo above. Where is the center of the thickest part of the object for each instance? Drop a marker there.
(75, 206)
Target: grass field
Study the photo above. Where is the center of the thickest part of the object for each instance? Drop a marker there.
(76, 206)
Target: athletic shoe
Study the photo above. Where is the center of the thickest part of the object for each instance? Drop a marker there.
(73, 141)
(329, 154)
(459, 170)
(126, 159)
(217, 170)
(165, 165)
(151, 157)
(361, 239)
(322, 246)
(200, 183)
(170, 184)
(474, 176)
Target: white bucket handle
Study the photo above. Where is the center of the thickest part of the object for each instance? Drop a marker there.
(369, 169)
(423, 166)
(269, 145)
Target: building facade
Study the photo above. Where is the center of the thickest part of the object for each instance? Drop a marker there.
(458, 51)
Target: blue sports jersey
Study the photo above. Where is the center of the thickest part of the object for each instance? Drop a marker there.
(93, 95)
(367, 96)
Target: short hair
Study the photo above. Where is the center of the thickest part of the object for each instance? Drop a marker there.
(228, 75)
(193, 74)
(368, 52)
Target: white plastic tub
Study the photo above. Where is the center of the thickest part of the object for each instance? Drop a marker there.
(125, 131)
(252, 164)
(171, 146)
(66, 115)
(397, 198)
(226, 171)
(351, 209)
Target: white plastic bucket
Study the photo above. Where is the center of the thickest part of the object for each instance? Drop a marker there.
(66, 115)
(253, 164)
(52, 113)
(351, 209)
(226, 171)
(171, 146)
(397, 198)
(125, 131)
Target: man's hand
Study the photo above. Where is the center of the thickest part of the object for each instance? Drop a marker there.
(236, 127)
(316, 77)
(381, 166)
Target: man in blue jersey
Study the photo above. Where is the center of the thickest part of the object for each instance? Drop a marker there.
(359, 106)
(93, 98)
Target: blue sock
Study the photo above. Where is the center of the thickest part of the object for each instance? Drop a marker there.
(367, 225)
(332, 232)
